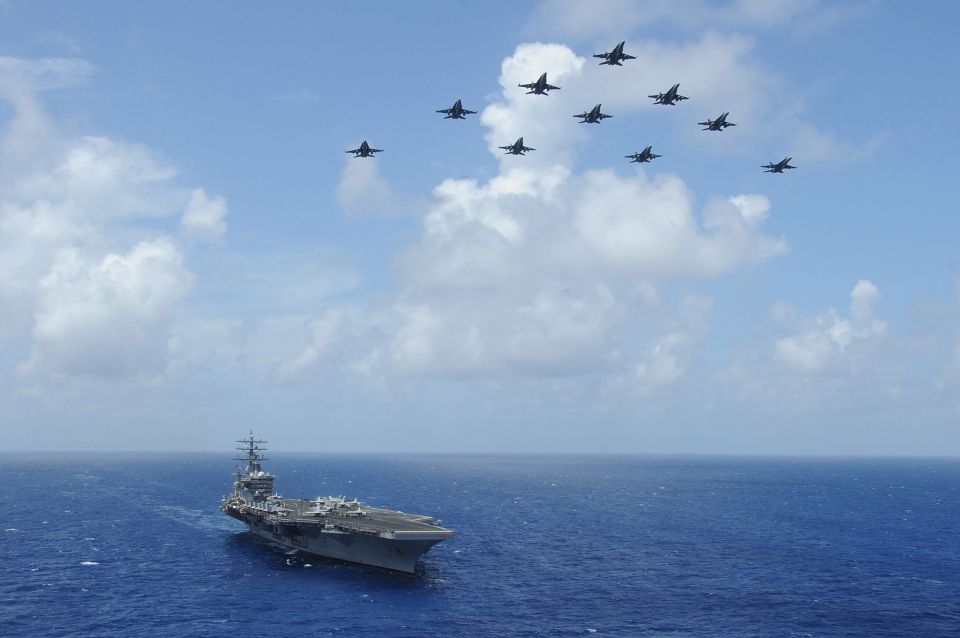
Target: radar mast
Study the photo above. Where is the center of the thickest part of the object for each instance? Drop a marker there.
(252, 483)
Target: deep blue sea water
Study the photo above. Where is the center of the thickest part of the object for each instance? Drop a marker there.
(126, 545)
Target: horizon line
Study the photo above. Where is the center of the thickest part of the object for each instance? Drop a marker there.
(742, 455)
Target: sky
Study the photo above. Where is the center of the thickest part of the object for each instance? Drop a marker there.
(187, 253)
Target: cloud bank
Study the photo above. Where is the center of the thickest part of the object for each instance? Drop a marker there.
(830, 361)
(82, 280)
(828, 337)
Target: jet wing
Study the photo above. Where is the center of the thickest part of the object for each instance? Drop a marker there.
(624, 56)
(775, 168)
(467, 112)
(447, 111)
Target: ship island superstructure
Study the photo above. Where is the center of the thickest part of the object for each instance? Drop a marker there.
(332, 526)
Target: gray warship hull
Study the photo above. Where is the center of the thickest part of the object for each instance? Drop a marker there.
(364, 543)
(332, 527)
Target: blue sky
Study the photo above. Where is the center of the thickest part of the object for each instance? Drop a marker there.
(187, 253)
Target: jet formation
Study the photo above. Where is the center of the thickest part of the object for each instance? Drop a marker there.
(615, 57)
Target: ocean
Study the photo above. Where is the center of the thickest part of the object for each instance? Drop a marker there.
(133, 545)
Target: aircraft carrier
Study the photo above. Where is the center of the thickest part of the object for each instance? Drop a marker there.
(331, 526)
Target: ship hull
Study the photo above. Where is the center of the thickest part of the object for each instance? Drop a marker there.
(396, 554)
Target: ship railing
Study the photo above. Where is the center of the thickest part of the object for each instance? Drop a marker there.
(363, 529)
(349, 526)
(346, 526)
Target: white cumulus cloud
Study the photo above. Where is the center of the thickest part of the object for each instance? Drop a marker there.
(361, 190)
(204, 217)
(84, 287)
(109, 318)
(828, 336)
(548, 331)
(663, 362)
(99, 178)
(832, 362)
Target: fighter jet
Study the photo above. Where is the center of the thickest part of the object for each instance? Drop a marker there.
(593, 116)
(718, 124)
(365, 150)
(669, 98)
(645, 155)
(615, 57)
(540, 87)
(456, 112)
(517, 148)
(779, 166)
